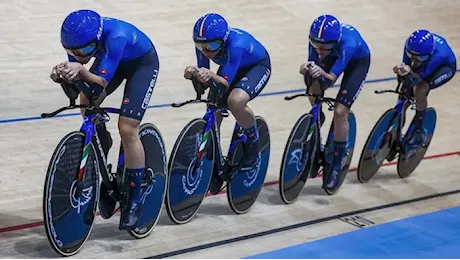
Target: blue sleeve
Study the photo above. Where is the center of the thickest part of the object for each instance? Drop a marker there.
(229, 70)
(201, 60)
(345, 55)
(114, 49)
(312, 54)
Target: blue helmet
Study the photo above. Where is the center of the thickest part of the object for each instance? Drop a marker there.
(326, 29)
(81, 28)
(420, 43)
(210, 27)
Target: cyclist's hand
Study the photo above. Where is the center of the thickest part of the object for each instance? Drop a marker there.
(204, 75)
(402, 69)
(306, 68)
(56, 73)
(316, 71)
(72, 71)
(188, 73)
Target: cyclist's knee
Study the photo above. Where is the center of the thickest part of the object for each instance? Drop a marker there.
(340, 112)
(237, 100)
(421, 89)
(129, 129)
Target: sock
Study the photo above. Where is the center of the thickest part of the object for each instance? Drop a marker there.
(252, 133)
(135, 182)
(104, 137)
(419, 115)
(339, 152)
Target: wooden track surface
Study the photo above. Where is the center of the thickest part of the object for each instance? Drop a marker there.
(30, 47)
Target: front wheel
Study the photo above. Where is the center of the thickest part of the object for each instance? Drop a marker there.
(298, 158)
(190, 169)
(69, 204)
(378, 145)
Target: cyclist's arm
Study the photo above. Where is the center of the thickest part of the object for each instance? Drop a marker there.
(405, 59)
(109, 63)
(340, 64)
(201, 60)
(434, 64)
(71, 59)
(312, 54)
(229, 70)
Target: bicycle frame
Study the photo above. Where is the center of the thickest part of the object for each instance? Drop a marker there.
(400, 108)
(397, 123)
(211, 125)
(88, 128)
(314, 111)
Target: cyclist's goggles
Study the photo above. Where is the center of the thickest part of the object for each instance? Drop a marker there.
(85, 51)
(209, 46)
(421, 58)
(327, 46)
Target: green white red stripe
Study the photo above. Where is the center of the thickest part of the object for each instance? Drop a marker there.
(310, 132)
(203, 144)
(83, 162)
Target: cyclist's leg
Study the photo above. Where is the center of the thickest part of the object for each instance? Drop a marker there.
(106, 202)
(222, 97)
(143, 73)
(352, 82)
(421, 89)
(245, 89)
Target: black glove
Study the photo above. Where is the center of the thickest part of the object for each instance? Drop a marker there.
(70, 90)
(198, 86)
(95, 92)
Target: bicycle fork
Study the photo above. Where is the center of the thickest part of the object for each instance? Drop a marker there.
(393, 135)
